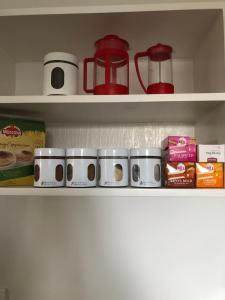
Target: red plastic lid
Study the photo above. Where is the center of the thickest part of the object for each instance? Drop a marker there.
(160, 52)
(112, 41)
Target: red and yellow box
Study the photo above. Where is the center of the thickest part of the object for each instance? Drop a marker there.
(209, 175)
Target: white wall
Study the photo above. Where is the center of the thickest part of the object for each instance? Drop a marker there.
(114, 248)
(7, 74)
(114, 135)
(209, 67)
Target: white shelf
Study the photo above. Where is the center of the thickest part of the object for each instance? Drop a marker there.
(127, 108)
(191, 29)
(65, 7)
(109, 192)
(79, 27)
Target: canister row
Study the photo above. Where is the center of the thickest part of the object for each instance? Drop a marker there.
(86, 167)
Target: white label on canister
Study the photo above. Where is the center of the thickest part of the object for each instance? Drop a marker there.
(70, 79)
(145, 172)
(49, 172)
(81, 172)
(113, 172)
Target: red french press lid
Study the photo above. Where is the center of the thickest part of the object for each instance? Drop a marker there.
(160, 52)
(113, 42)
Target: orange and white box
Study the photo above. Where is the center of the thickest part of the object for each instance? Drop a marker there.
(209, 175)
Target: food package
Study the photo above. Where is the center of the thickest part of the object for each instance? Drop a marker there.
(211, 153)
(179, 149)
(209, 175)
(18, 139)
(179, 174)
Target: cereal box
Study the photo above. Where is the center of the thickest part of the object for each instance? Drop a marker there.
(18, 139)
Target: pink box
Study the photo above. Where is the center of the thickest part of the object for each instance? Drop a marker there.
(177, 141)
(179, 149)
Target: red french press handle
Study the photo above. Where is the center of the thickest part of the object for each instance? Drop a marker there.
(136, 57)
(86, 61)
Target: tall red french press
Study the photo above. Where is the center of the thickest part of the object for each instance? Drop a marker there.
(111, 67)
(160, 73)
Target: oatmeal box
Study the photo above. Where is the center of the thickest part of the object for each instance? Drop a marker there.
(18, 139)
(179, 149)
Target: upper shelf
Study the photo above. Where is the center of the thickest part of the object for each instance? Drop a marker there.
(30, 37)
(195, 31)
(109, 192)
(185, 108)
(49, 7)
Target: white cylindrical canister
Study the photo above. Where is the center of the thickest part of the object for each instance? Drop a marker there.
(113, 167)
(49, 167)
(81, 165)
(60, 74)
(145, 167)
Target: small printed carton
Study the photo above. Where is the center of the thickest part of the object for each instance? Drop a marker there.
(179, 174)
(209, 175)
(179, 149)
(211, 153)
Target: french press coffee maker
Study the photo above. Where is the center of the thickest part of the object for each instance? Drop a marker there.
(160, 73)
(111, 67)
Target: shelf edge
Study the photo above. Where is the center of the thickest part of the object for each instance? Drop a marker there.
(90, 9)
(110, 192)
(102, 99)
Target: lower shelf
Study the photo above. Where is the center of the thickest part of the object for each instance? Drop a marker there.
(109, 192)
